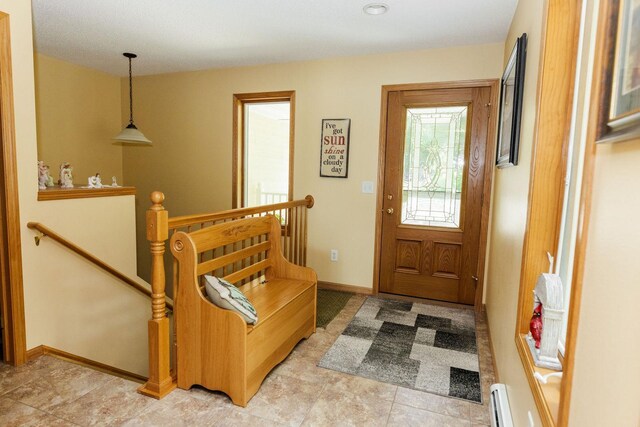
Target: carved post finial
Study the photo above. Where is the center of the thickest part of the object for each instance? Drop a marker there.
(157, 197)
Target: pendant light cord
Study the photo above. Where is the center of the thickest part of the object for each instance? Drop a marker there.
(130, 95)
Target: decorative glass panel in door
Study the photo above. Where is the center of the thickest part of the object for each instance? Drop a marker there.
(433, 166)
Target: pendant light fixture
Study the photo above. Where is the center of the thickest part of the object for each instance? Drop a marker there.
(131, 134)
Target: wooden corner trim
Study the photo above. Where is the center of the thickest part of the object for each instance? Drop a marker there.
(11, 282)
(35, 352)
(41, 350)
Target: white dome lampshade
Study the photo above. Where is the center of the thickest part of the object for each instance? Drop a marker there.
(130, 134)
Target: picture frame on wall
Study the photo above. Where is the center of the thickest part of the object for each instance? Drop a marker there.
(511, 93)
(620, 103)
(334, 148)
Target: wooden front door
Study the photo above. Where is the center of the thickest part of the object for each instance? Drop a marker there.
(436, 149)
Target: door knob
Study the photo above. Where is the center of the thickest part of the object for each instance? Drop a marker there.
(390, 210)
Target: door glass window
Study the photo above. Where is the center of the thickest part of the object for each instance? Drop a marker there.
(433, 166)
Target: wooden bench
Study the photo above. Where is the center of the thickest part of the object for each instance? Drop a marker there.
(216, 348)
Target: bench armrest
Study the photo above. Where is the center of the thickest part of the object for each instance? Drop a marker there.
(285, 269)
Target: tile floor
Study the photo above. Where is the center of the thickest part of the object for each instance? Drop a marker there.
(52, 392)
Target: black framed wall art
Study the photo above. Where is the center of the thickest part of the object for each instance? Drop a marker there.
(511, 93)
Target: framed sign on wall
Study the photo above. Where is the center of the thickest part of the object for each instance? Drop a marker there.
(334, 148)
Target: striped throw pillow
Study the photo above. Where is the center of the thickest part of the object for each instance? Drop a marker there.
(225, 295)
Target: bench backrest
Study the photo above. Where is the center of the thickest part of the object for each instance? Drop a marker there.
(239, 251)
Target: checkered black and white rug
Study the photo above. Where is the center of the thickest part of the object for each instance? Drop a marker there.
(420, 346)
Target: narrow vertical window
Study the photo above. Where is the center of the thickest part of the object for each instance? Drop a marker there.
(263, 148)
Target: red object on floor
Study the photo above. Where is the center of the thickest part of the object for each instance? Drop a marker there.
(535, 325)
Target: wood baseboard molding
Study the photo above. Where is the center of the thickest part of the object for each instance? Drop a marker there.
(493, 350)
(41, 350)
(35, 352)
(344, 288)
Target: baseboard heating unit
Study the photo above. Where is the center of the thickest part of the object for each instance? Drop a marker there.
(500, 410)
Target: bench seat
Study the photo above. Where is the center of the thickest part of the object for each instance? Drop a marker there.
(269, 298)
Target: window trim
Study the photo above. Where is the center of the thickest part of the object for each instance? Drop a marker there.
(239, 101)
(546, 194)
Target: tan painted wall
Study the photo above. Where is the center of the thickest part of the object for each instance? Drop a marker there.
(188, 116)
(77, 114)
(606, 386)
(70, 305)
(76, 307)
(508, 221)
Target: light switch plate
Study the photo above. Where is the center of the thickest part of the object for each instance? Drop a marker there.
(367, 187)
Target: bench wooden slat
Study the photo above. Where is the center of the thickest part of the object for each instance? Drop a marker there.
(229, 232)
(248, 271)
(216, 263)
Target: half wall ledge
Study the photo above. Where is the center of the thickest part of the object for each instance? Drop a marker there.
(58, 193)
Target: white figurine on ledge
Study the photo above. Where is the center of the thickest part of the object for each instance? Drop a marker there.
(43, 176)
(95, 181)
(66, 177)
(114, 183)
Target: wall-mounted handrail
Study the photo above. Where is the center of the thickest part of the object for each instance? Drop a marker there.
(47, 232)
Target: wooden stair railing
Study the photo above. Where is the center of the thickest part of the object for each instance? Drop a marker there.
(293, 218)
(47, 232)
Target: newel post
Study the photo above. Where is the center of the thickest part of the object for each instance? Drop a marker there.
(160, 382)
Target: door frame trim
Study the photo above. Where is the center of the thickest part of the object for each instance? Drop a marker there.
(493, 85)
(11, 287)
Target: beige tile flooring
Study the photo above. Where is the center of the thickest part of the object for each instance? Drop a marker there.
(52, 392)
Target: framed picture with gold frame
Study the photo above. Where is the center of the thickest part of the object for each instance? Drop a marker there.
(620, 71)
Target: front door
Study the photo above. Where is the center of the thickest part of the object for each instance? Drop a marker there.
(436, 146)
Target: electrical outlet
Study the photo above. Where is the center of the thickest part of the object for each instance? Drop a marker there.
(531, 423)
(334, 255)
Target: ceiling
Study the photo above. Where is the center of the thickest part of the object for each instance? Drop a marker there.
(171, 36)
